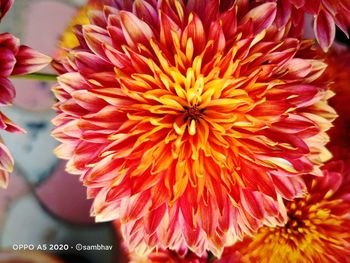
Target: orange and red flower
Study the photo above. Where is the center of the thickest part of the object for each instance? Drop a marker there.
(190, 122)
(15, 59)
(327, 14)
(318, 226)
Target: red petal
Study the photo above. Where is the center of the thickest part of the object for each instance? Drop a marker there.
(7, 91)
(167, 26)
(135, 30)
(252, 202)
(324, 28)
(283, 14)
(312, 7)
(138, 204)
(206, 10)
(95, 38)
(343, 22)
(5, 5)
(146, 12)
(9, 41)
(195, 31)
(8, 125)
(29, 61)
(288, 187)
(153, 219)
(217, 35)
(261, 16)
(7, 61)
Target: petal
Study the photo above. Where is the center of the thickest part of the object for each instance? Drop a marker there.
(283, 14)
(324, 28)
(9, 41)
(95, 38)
(153, 219)
(7, 91)
(252, 202)
(7, 61)
(312, 7)
(4, 179)
(261, 16)
(5, 6)
(9, 126)
(29, 61)
(298, 68)
(288, 187)
(195, 31)
(6, 160)
(146, 12)
(135, 30)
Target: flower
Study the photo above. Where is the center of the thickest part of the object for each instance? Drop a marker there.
(327, 14)
(15, 59)
(338, 71)
(190, 123)
(318, 226)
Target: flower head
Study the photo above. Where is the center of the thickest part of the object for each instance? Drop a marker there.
(317, 229)
(15, 59)
(327, 14)
(190, 123)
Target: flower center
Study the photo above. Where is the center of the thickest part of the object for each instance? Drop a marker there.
(193, 113)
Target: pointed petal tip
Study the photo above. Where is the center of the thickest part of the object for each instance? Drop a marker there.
(29, 61)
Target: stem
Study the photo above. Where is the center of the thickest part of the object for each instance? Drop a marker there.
(37, 76)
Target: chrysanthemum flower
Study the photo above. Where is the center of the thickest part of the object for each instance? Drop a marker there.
(190, 123)
(15, 59)
(318, 226)
(327, 14)
(338, 71)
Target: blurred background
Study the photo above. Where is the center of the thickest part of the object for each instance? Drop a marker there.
(43, 204)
